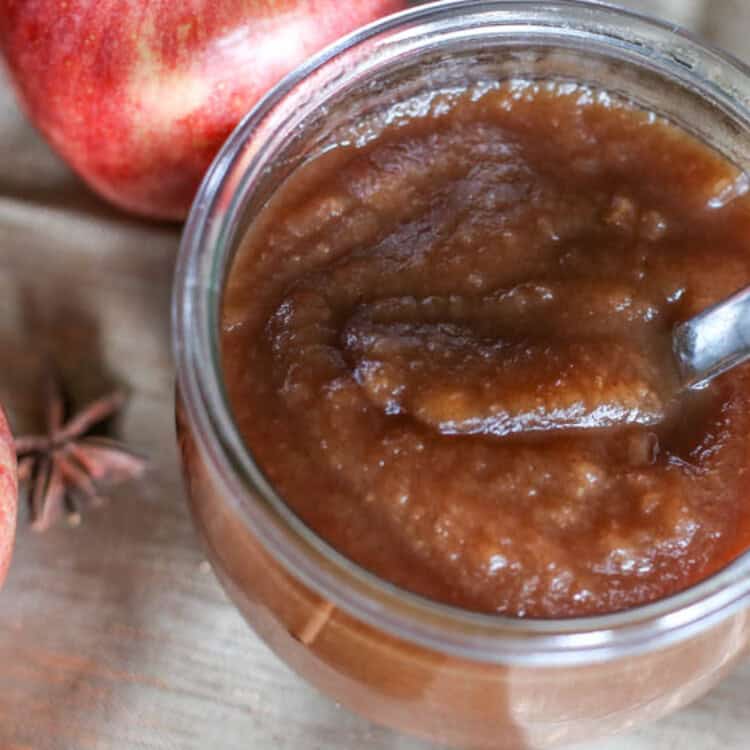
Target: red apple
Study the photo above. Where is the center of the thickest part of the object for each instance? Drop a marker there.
(8, 495)
(138, 95)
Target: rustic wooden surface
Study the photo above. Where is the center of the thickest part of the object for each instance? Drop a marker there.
(116, 634)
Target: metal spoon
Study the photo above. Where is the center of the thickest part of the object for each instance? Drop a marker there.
(714, 341)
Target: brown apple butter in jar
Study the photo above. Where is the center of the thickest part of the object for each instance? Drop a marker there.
(447, 344)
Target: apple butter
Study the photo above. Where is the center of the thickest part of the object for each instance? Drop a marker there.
(446, 342)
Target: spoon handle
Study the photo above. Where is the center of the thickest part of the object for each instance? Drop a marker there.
(713, 341)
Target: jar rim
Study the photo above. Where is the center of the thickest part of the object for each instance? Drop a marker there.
(206, 243)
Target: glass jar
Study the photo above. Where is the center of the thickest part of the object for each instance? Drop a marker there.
(453, 676)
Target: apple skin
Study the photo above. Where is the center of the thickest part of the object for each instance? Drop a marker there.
(8, 495)
(138, 95)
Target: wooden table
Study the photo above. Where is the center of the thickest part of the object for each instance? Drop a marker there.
(116, 634)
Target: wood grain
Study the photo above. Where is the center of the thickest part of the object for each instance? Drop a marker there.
(116, 634)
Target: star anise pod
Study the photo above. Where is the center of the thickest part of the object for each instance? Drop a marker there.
(66, 464)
